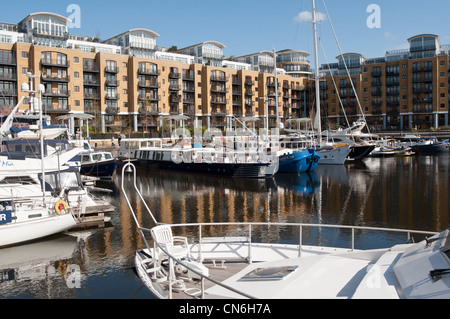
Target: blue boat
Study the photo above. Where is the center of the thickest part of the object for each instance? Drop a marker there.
(98, 164)
(298, 161)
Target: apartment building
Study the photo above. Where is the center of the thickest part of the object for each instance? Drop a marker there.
(404, 90)
(129, 84)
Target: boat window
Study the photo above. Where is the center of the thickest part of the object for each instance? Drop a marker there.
(97, 157)
(18, 180)
(273, 273)
(50, 181)
(108, 156)
(69, 179)
(85, 158)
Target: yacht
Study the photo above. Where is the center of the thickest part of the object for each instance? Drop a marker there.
(239, 264)
(30, 210)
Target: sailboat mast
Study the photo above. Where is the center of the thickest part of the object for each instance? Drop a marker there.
(316, 72)
(276, 86)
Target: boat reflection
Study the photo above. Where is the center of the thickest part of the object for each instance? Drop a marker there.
(47, 262)
(302, 183)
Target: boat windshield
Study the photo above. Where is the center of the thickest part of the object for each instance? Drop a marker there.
(66, 179)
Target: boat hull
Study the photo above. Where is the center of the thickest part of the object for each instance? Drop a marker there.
(299, 162)
(334, 155)
(99, 169)
(235, 170)
(431, 148)
(360, 152)
(17, 233)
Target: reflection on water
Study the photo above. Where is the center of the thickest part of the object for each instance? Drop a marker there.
(410, 192)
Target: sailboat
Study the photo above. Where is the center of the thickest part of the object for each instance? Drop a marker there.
(28, 217)
(330, 153)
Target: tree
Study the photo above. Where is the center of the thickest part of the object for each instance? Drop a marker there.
(173, 48)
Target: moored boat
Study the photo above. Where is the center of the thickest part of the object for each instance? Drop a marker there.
(195, 158)
(237, 263)
(297, 161)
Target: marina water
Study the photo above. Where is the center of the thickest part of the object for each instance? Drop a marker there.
(395, 192)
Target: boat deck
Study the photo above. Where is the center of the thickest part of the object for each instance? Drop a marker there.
(226, 260)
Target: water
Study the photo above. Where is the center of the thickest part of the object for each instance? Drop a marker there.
(409, 192)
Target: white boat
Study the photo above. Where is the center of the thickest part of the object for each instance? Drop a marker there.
(237, 265)
(26, 212)
(303, 135)
(28, 126)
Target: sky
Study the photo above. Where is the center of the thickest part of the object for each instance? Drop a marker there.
(249, 26)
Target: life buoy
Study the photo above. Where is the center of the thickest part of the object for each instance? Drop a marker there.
(60, 206)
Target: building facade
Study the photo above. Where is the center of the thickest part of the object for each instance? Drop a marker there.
(129, 84)
(406, 89)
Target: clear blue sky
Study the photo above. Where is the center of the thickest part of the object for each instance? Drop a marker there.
(249, 26)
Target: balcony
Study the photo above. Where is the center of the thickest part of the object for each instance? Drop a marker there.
(111, 69)
(55, 78)
(56, 63)
(112, 96)
(149, 71)
(216, 100)
(174, 98)
(424, 100)
(51, 35)
(91, 82)
(56, 108)
(219, 78)
(392, 111)
(8, 76)
(7, 61)
(4, 92)
(112, 110)
(174, 75)
(220, 111)
(91, 68)
(219, 89)
(149, 97)
(91, 96)
(150, 84)
(112, 82)
(57, 93)
(188, 76)
(150, 110)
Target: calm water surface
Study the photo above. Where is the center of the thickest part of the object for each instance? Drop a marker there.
(410, 192)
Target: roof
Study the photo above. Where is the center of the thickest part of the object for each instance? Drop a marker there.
(54, 15)
(293, 51)
(423, 35)
(152, 33)
(220, 45)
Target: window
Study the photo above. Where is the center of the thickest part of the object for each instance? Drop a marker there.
(76, 60)
(25, 54)
(76, 75)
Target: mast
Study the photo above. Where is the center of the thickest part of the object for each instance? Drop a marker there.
(316, 73)
(276, 86)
